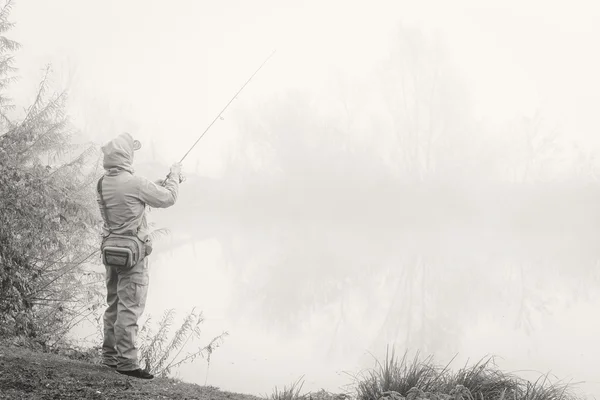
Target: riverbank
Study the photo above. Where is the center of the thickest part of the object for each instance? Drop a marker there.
(28, 373)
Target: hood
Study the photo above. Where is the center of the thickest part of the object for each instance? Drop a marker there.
(118, 153)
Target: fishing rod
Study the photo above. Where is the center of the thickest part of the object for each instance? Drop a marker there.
(225, 108)
(222, 111)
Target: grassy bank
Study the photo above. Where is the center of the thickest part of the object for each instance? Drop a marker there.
(27, 373)
(30, 374)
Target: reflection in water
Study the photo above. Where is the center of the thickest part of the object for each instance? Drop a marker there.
(317, 299)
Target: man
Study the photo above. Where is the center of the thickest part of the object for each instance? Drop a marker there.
(123, 197)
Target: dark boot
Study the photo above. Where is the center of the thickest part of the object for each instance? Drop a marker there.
(137, 373)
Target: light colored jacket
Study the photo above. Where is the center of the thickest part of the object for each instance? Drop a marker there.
(126, 195)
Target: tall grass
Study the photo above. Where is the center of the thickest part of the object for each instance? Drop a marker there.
(288, 393)
(162, 352)
(293, 393)
(422, 379)
(398, 375)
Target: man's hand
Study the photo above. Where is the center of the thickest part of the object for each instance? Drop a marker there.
(176, 169)
(176, 172)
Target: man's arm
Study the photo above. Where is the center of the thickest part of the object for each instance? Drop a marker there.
(159, 196)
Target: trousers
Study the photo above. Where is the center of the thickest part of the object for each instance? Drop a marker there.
(126, 298)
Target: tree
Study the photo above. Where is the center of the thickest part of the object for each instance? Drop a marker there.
(428, 108)
(48, 215)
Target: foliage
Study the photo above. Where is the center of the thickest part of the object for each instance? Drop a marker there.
(398, 376)
(401, 378)
(161, 355)
(47, 213)
(422, 379)
(288, 393)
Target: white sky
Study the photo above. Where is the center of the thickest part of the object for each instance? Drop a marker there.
(166, 71)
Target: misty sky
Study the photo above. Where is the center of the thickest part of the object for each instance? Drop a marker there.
(164, 72)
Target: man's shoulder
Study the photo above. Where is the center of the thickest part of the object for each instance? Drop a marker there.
(140, 180)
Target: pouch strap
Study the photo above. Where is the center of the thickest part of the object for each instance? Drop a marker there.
(103, 204)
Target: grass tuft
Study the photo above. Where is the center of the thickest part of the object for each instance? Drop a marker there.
(483, 380)
(288, 393)
(415, 380)
(398, 375)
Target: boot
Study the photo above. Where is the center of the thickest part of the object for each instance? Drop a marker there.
(137, 373)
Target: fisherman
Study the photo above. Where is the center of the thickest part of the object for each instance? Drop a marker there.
(126, 244)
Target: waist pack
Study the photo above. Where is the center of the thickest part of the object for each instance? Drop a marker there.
(122, 251)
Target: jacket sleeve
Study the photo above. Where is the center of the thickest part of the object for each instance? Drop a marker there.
(158, 196)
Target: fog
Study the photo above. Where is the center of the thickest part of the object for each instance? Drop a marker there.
(417, 175)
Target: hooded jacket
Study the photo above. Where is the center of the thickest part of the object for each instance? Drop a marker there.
(126, 195)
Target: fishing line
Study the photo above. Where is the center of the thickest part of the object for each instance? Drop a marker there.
(225, 108)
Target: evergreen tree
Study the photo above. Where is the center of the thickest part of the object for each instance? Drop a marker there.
(48, 211)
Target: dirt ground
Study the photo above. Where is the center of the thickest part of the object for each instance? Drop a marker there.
(27, 374)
